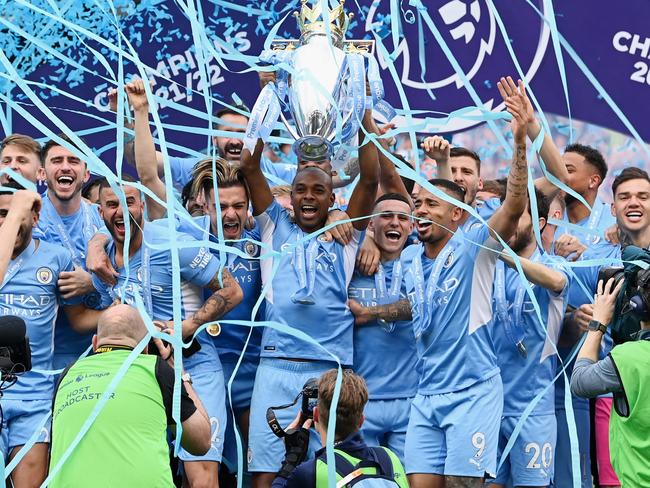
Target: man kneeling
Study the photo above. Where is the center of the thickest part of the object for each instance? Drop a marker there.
(351, 452)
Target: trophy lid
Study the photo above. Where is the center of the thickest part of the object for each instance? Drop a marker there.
(309, 23)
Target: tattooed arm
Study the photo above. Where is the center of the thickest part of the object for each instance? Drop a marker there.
(392, 312)
(505, 220)
(224, 298)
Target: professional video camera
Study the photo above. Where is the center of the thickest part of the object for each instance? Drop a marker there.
(633, 303)
(15, 354)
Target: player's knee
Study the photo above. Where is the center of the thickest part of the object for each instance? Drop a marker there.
(201, 475)
(463, 482)
(263, 480)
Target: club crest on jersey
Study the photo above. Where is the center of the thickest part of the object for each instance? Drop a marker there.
(44, 275)
(251, 249)
(449, 261)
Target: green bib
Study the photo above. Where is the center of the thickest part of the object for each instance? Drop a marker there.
(629, 435)
(398, 470)
(126, 446)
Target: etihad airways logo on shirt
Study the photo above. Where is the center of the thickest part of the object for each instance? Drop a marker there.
(322, 254)
(443, 292)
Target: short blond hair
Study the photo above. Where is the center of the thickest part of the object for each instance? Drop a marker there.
(228, 175)
(281, 191)
(352, 400)
(23, 142)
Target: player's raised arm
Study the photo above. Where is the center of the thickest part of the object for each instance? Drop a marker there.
(145, 150)
(364, 194)
(538, 273)
(261, 196)
(548, 150)
(505, 220)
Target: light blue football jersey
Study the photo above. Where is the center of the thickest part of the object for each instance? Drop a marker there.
(30, 292)
(384, 353)
(197, 268)
(590, 230)
(525, 377)
(275, 173)
(450, 313)
(328, 266)
(72, 232)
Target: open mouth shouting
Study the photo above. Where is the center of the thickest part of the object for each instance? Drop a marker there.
(233, 151)
(423, 226)
(231, 229)
(65, 182)
(309, 211)
(393, 235)
(120, 228)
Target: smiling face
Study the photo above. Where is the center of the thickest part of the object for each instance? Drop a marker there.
(22, 161)
(229, 148)
(465, 173)
(435, 217)
(392, 227)
(110, 208)
(65, 173)
(631, 205)
(26, 225)
(234, 211)
(311, 198)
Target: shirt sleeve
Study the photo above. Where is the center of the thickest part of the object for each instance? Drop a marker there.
(181, 169)
(198, 265)
(477, 239)
(165, 377)
(105, 298)
(590, 379)
(67, 265)
(273, 221)
(278, 173)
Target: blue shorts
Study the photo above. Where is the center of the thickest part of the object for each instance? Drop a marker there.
(530, 461)
(242, 385)
(457, 433)
(241, 391)
(21, 419)
(563, 469)
(277, 382)
(385, 424)
(209, 386)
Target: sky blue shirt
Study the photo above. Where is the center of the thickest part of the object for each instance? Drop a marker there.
(524, 378)
(276, 173)
(328, 321)
(590, 230)
(197, 268)
(456, 351)
(246, 270)
(72, 232)
(31, 293)
(384, 355)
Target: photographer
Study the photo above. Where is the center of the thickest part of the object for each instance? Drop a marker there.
(625, 372)
(349, 447)
(127, 443)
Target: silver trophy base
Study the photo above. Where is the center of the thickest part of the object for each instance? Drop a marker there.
(313, 148)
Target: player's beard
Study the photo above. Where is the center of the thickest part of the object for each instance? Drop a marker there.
(522, 240)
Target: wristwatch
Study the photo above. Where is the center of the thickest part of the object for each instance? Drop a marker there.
(186, 378)
(595, 325)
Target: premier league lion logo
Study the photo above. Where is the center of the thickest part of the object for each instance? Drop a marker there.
(468, 31)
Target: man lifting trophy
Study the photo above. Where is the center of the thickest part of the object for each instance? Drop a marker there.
(323, 76)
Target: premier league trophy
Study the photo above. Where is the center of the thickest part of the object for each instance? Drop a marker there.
(323, 75)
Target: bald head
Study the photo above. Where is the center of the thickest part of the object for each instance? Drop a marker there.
(121, 325)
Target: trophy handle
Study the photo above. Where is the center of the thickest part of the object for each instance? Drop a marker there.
(289, 127)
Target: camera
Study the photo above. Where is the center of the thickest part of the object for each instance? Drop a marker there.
(309, 396)
(15, 354)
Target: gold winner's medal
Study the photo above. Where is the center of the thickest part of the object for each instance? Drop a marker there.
(214, 330)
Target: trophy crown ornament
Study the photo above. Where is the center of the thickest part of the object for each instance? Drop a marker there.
(311, 20)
